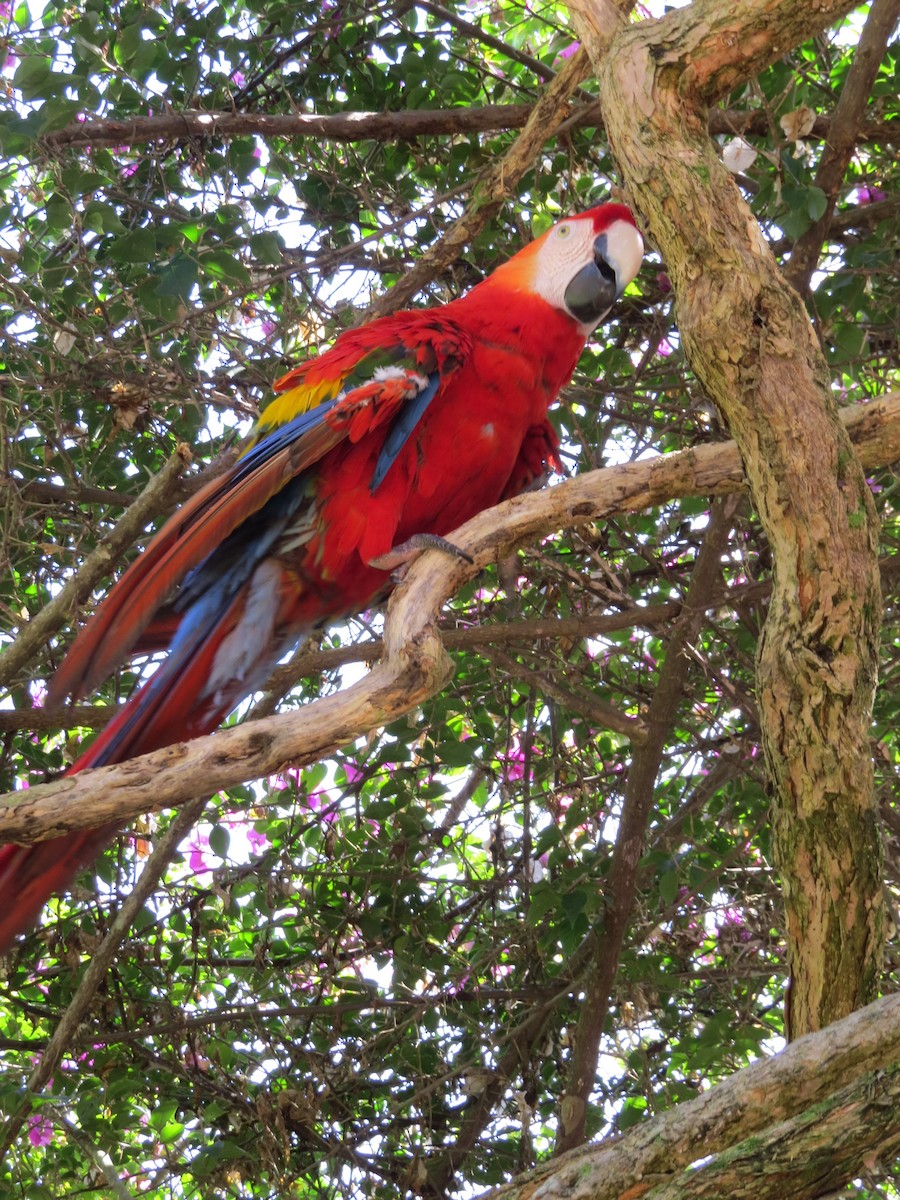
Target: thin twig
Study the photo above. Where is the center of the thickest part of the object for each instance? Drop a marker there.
(841, 144)
(100, 963)
(493, 189)
(101, 1160)
(153, 500)
(640, 789)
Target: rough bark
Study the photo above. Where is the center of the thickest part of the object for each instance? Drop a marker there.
(751, 344)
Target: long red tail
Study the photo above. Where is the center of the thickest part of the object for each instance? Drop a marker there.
(170, 707)
(30, 875)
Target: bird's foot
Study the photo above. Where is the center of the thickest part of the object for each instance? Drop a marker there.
(398, 558)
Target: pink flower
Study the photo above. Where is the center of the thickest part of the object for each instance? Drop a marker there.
(569, 52)
(237, 77)
(665, 348)
(199, 845)
(291, 778)
(352, 771)
(664, 283)
(870, 195)
(514, 760)
(258, 841)
(40, 1131)
(319, 802)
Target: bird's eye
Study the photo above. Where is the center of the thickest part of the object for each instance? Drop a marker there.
(563, 231)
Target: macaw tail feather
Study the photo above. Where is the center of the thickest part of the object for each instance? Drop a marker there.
(30, 875)
(220, 653)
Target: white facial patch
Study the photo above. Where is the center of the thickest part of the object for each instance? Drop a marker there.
(570, 247)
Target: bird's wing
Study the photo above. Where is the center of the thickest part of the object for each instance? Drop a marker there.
(390, 387)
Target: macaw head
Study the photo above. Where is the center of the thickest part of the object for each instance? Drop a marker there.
(580, 265)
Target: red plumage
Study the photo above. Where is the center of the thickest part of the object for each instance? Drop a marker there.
(411, 424)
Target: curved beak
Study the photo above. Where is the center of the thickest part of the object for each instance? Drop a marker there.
(617, 258)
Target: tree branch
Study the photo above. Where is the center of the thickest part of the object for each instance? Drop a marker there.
(494, 187)
(591, 708)
(841, 144)
(100, 962)
(391, 126)
(415, 663)
(152, 500)
(840, 1065)
(640, 791)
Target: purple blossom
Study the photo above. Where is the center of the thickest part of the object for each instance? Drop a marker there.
(870, 195)
(199, 846)
(318, 802)
(732, 922)
(258, 841)
(665, 348)
(514, 760)
(569, 52)
(663, 282)
(291, 778)
(40, 1131)
(238, 78)
(353, 772)
(5, 8)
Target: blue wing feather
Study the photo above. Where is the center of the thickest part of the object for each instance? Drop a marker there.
(401, 431)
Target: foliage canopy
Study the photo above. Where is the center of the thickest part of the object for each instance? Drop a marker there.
(362, 977)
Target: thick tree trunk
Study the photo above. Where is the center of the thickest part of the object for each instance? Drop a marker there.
(750, 342)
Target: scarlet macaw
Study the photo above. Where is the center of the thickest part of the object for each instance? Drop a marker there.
(409, 425)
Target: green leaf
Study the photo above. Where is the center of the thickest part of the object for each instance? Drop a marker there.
(102, 217)
(267, 248)
(816, 202)
(222, 264)
(32, 75)
(669, 884)
(847, 342)
(136, 247)
(177, 277)
(128, 43)
(219, 840)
